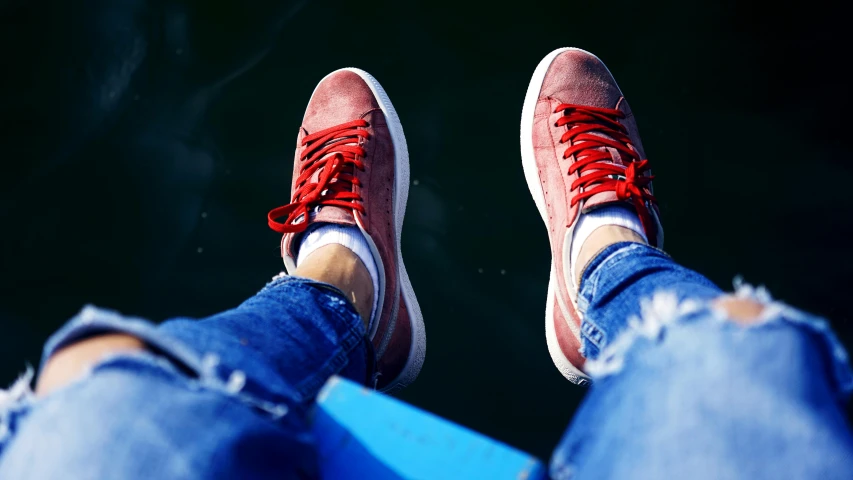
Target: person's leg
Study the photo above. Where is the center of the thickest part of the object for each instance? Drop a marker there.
(686, 381)
(228, 396)
(689, 383)
(221, 397)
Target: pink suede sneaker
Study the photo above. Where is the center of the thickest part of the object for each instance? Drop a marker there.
(580, 150)
(352, 168)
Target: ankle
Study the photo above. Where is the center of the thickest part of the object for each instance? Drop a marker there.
(597, 241)
(339, 266)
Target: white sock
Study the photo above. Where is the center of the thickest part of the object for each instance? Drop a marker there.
(350, 237)
(610, 215)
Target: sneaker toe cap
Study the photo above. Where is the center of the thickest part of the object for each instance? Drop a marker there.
(342, 96)
(579, 77)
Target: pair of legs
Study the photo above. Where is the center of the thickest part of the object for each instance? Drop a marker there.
(706, 386)
(687, 381)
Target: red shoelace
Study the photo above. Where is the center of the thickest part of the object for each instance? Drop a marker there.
(596, 172)
(337, 152)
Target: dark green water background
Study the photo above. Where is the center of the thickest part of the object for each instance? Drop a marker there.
(149, 195)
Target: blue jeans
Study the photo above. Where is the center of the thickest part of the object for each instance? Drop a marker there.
(679, 390)
(222, 397)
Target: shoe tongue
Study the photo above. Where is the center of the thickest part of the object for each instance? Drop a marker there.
(332, 214)
(316, 176)
(603, 198)
(614, 154)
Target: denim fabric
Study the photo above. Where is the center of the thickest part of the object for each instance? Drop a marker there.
(221, 397)
(680, 391)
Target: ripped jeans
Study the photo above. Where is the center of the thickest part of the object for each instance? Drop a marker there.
(222, 397)
(679, 391)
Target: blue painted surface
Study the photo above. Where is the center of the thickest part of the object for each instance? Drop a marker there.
(365, 434)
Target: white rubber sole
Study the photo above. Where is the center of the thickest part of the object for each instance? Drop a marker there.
(401, 194)
(531, 175)
(566, 368)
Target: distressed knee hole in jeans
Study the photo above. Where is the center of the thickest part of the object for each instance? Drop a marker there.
(19, 399)
(663, 310)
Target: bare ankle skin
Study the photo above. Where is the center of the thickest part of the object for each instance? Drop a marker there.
(339, 266)
(600, 239)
